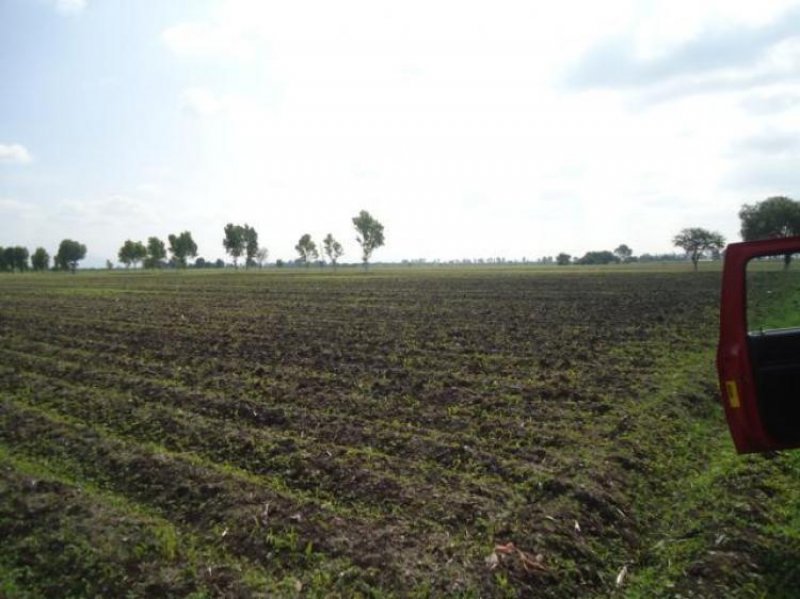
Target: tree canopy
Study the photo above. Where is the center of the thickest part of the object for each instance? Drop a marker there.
(370, 234)
(597, 257)
(696, 242)
(132, 252)
(40, 259)
(306, 249)
(70, 252)
(250, 245)
(156, 253)
(623, 252)
(777, 216)
(333, 249)
(182, 247)
(234, 242)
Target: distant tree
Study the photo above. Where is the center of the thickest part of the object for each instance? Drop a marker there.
(234, 242)
(597, 257)
(279, 263)
(19, 258)
(261, 256)
(109, 265)
(696, 242)
(200, 263)
(182, 247)
(69, 254)
(370, 234)
(3, 261)
(777, 216)
(306, 250)
(156, 253)
(132, 252)
(333, 249)
(563, 259)
(624, 253)
(40, 259)
(250, 245)
(219, 263)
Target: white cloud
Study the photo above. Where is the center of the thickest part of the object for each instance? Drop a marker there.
(199, 101)
(14, 154)
(207, 41)
(70, 7)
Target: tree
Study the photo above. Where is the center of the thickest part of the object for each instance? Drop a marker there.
(370, 234)
(597, 257)
(3, 260)
(19, 258)
(306, 249)
(156, 253)
(777, 216)
(250, 245)
(624, 253)
(563, 259)
(696, 242)
(69, 254)
(132, 252)
(333, 249)
(234, 242)
(261, 256)
(182, 247)
(40, 259)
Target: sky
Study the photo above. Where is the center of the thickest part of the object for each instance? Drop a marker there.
(469, 129)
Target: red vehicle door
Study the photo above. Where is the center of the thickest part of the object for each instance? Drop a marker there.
(758, 358)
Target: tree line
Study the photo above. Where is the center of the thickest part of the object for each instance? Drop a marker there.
(776, 216)
(238, 240)
(17, 258)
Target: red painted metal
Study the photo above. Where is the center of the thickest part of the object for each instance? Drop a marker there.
(733, 360)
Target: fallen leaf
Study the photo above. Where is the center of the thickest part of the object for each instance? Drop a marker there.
(492, 560)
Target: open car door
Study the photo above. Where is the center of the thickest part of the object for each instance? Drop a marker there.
(758, 358)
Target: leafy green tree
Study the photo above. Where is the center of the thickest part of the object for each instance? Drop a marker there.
(333, 249)
(563, 259)
(697, 242)
(250, 245)
(20, 258)
(3, 260)
(306, 249)
(132, 252)
(69, 254)
(777, 216)
(182, 247)
(156, 253)
(370, 234)
(597, 257)
(624, 253)
(234, 242)
(40, 259)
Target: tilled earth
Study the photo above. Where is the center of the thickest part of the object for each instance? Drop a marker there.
(392, 433)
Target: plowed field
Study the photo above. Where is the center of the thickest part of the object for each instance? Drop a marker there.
(454, 432)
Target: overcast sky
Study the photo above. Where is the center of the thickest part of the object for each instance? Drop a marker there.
(469, 129)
